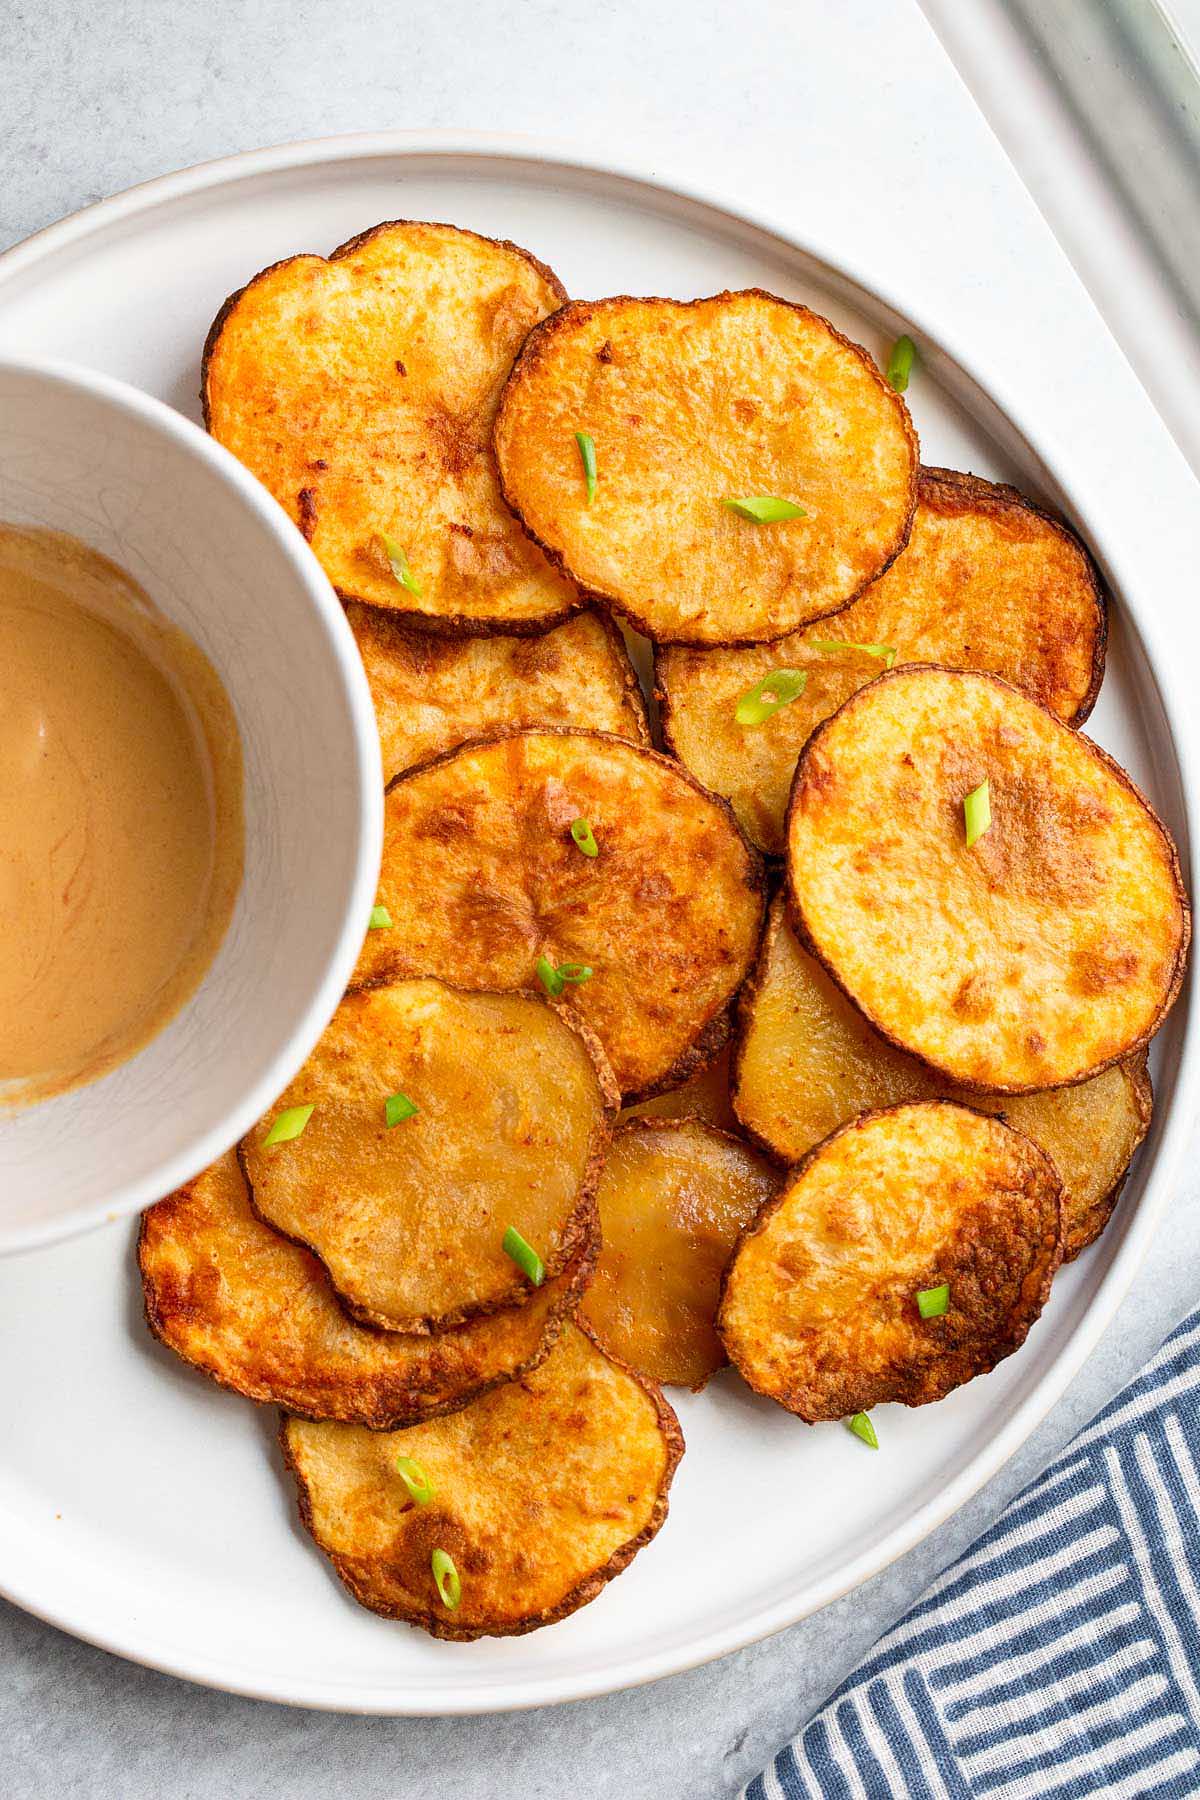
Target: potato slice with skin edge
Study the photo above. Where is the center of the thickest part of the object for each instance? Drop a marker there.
(806, 1061)
(1049, 950)
(433, 693)
(674, 1198)
(690, 403)
(819, 1305)
(543, 1491)
(361, 389)
(255, 1313)
(987, 581)
(515, 1108)
(481, 878)
(706, 1096)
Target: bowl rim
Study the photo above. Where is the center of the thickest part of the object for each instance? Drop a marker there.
(203, 1146)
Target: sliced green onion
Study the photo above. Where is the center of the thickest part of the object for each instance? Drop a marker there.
(831, 646)
(445, 1576)
(584, 836)
(381, 918)
(575, 973)
(764, 699)
(288, 1125)
(420, 1488)
(587, 456)
(524, 1255)
(765, 509)
(977, 813)
(400, 568)
(933, 1302)
(863, 1429)
(398, 1107)
(555, 979)
(900, 363)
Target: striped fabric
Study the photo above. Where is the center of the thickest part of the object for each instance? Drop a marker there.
(1060, 1657)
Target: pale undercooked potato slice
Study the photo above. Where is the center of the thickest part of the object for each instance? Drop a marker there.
(674, 1196)
(257, 1314)
(482, 877)
(432, 693)
(542, 1491)
(514, 1109)
(806, 1061)
(986, 581)
(819, 1309)
(1050, 948)
(705, 1096)
(361, 390)
(688, 404)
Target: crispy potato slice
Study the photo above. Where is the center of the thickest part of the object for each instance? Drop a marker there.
(433, 693)
(1051, 948)
(543, 1491)
(674, 1197)
(257, 1314)
(481, 878)
(987, 581)
(706, 1096)
(515, 1106)
(689, 404)
(806, 1061)
(361, 391)
(819, 1308)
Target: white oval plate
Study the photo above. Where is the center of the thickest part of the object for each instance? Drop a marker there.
(146, 1511)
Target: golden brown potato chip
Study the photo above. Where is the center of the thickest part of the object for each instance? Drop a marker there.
(257, 1314)
(987, 581)
(1048, 949)
(482, 878)
(806, 1061)
(542, 1491)
(361, 390)
(674, 1196)
(433, 693)
(706, 1096)
(513, 1111)
(819, 1309)
(688, 405)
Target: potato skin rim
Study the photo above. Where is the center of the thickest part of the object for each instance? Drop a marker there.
(585, 1590)
(583, 1222)
(771, 1206)
(1123, 778)
(1102, 1211)
(554, 322)
(438, 625)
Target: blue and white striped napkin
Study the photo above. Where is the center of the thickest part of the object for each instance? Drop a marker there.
(1060, 1657)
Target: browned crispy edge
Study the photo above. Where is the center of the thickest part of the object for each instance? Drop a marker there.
(714, 1034)
(582, 1223)
(795, 911)
(445, 624)
(1003, 1347)
(581, 1593)
(573, 311)
(1077, 1240)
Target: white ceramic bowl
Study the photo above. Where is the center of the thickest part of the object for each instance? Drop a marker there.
(82, 453)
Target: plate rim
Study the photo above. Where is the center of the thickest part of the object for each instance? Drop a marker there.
(544, 156)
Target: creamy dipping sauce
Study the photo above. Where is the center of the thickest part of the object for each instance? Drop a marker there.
(121, 831)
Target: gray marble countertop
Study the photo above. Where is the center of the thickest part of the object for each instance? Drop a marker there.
(852, 114)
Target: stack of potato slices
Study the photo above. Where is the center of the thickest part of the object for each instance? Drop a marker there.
(864, 1125)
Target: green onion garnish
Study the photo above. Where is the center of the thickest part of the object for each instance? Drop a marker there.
(831, 646)
(764, 699)
(933, 1302)
(587, 456)
(900, 363)
(524, 1255)
(977, 813)
(555, 979)
(765, 509)
(420, 1488)
(397, 1107)
(862, 1428)
(288, 1125)
(380, 918)
(445, 1576)
(582, 832)
(400, 568)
